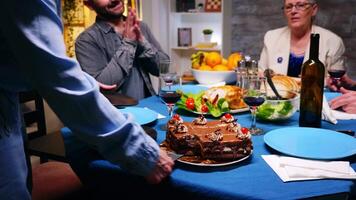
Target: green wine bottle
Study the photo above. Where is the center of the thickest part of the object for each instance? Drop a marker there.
(311, 96)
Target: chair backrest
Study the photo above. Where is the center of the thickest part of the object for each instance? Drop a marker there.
(35, 115)
(46, 146)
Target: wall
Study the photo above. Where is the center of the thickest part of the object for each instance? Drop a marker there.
(158, 23)
(252, 18)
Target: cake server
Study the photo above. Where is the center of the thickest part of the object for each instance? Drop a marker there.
(174, 155)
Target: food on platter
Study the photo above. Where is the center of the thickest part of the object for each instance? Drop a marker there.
(232, 94)
(222, 139)
(195, 103)
(287, 83)
(215, 100)
(276, 110)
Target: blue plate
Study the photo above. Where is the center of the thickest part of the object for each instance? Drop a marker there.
(141, 115)
(187, 88)
(312, 143)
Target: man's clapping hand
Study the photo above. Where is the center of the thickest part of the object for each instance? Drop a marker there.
(132, 29)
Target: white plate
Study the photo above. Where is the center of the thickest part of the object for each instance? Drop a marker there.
(239, 110)
(196, 89)
(217, 164)
(231, 111)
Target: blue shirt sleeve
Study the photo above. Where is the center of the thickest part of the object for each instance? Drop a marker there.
(33, 32)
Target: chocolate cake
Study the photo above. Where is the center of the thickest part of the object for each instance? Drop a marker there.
(222, 139)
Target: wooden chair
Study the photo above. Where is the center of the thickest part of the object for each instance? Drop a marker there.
(46, 146)
(51, 180)
(33, 116)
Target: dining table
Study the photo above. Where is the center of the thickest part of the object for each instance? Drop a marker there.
(251, 178)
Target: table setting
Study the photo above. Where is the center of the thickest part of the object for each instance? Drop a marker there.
(260, 166)
(256, 169)
(287, 161)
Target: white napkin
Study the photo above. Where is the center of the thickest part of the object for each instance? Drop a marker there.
(326, 113)
(159, 116)
(297, 169)
(342, 115)
(333, 115)
(213, 85)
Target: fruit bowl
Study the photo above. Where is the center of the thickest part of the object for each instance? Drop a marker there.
(279, 110)
(213, 77)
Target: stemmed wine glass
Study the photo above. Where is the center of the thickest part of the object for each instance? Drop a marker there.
(336, 67)
(254, 95)
(167, 93)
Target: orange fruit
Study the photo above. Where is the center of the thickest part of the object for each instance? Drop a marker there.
(233, 59)
(205, 67)
(224, 61)
(213, 58)
(220, 67)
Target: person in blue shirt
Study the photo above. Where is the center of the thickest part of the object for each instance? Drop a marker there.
(32, 55)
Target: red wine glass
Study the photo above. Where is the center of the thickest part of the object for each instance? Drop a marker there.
(336, 67)
(168, 94)
(254, 95)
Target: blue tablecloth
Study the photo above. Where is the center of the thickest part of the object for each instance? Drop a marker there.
(249, 179)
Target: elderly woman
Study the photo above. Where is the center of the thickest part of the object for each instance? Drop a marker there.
(287, 48)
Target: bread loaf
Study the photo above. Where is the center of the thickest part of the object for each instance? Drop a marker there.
(287, 83)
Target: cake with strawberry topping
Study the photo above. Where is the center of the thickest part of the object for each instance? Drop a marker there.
(222, 139)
